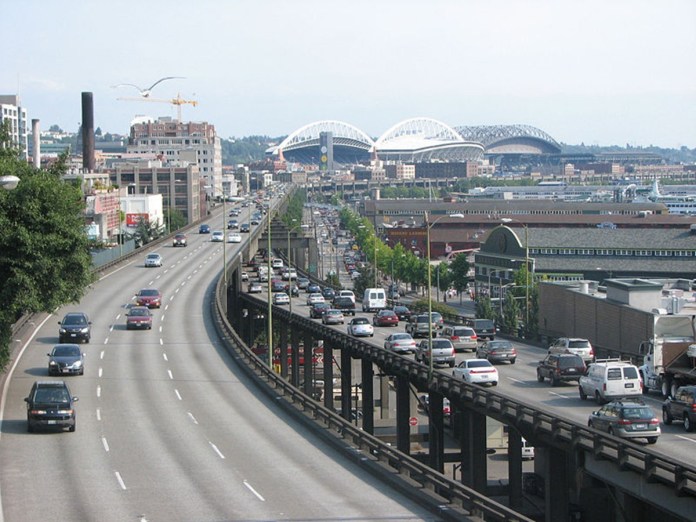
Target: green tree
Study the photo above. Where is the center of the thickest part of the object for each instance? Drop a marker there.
(511, 312)
(484, 307)
(176, 219)
(44, 255)
(459, 267)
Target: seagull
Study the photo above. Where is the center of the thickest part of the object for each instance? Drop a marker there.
(145, 93)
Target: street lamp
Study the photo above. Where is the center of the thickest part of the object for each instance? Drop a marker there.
(526, 270)
(9, 182)
(291, 264)
(270, 301)
(430, 297)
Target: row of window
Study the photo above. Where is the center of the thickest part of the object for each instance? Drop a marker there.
(622, 252)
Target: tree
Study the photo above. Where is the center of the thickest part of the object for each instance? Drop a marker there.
(176, 219)
(459, 267)
(44, 255)
(484, 307)
(511, 312)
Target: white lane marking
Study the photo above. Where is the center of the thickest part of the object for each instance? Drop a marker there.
(177, 290)
(160, 329)
(98, 414)
(161, 342)
(686, 438)
(162, 318)
(111, 328)
(115, 271)
(105, 444)
(98, 391)
(192, 417)
(178, 395)
(216, 450)
(101, 355)
(166, 307)
(100, 371)
(164, 355)
(171, 376)
(517, 380)
(189, 277)
(106, 341)
(120, 480)
(561, 396)
(250, 488)
(172, 297)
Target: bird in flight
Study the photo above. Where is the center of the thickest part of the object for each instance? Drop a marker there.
(145, 93)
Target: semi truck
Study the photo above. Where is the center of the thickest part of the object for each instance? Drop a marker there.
(669, 357)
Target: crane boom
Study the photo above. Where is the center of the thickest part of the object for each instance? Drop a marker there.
(178, 102)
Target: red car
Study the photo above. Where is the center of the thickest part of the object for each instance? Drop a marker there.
(385, 318)
(150, 297)
(139, 317)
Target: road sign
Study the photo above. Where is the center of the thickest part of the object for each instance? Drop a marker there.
(413, 421)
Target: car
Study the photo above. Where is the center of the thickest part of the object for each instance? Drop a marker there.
(289, 274)
(385, 317)
(345, 305)
(281, 298)
(233, 237)
(255, 220)
(217, 236)
(560, 367)
(402, 312)
(244, 228)
(75, 326)
(245, 276)
(66, 359)
(302, 282)
(153, 260)
(420, 326)
(347, 293)
(463, 338)
(400, 342)
(232, 224)
(577, 346)
(315, 298)
(497, 351)
(333, 316)
(328, 293)
(438, 320)
(150, 297)
(681, 407)
(180, 240)
(292, 290)
(360, 327)
(476, 371)
(139, 317)
(610, 379)
(254, 288)
(313, 288)
(204, 229)
(442, 352)
(50, 405)
(277, 263)
(317, 310)
(628, 419)
(277, 285)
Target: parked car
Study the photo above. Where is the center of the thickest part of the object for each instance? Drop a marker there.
(204, 229)
(180, 240)
(75, 326)
(153, 260)
(317, 310)
(577, 346)
(217, 236)
(628, 419)
(333, 316)
(281, 298)
(610, 379)
(442, 352)
(385, 317)
(561, 367)
(139, 317)
(50, 405)
(66, 359)
(681, 407)
(463, 338)
(345, 305)
(400, 343)
(402, 312)
(150, 297)
(360, 327)
(497, 351)
(254, 288)
(476, 371)
(484, 328)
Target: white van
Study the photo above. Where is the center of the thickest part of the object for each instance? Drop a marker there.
(374, 299)
(609, 379)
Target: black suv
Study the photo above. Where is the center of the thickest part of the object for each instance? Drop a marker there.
(345, 305)
(50, 405)
(74, 327)
(557, 367)
(681, 407)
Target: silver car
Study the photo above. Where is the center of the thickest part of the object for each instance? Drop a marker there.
(400, 343)
(443, 351)
(463, 337)
(576, 346)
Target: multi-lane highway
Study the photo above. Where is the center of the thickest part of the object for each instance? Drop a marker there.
(168, 428)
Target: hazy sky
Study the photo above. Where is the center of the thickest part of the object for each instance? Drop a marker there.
(606, 72)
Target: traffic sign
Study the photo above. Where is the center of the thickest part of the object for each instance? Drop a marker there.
(413, 421)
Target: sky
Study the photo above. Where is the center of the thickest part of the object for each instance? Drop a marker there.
(598, 72)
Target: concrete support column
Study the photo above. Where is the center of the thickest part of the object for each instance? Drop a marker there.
(403, 413)
(515, 468)
(307, 354)
(368, 400)
(346, 384)
(473, 447)
(328, 375)
(383, 396)
(556, 495)
(295, 358)
(284, 350)
(436, 435)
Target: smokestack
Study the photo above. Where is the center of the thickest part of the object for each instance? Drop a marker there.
(88, 161)
(36, 141)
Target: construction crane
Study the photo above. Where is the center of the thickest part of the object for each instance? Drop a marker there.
(178, 101)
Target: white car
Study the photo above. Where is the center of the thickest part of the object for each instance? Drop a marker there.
(281, 298)
(476, 371)
(314, 299)
(217, 236)
(245, 276)
(360, 327)
(233, 237)
(153, 260)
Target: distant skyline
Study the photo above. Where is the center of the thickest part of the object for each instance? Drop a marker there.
(599, 72)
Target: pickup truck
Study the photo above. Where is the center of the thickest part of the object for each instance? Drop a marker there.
(345, 305)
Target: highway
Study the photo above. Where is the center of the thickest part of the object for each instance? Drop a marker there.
(168, 427)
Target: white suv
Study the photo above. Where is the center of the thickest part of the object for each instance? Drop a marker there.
(574, 345)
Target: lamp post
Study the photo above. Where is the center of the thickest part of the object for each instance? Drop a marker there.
(270, 302)
(224, 242)
(291, 265)
(430, 297)
(9, 182)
